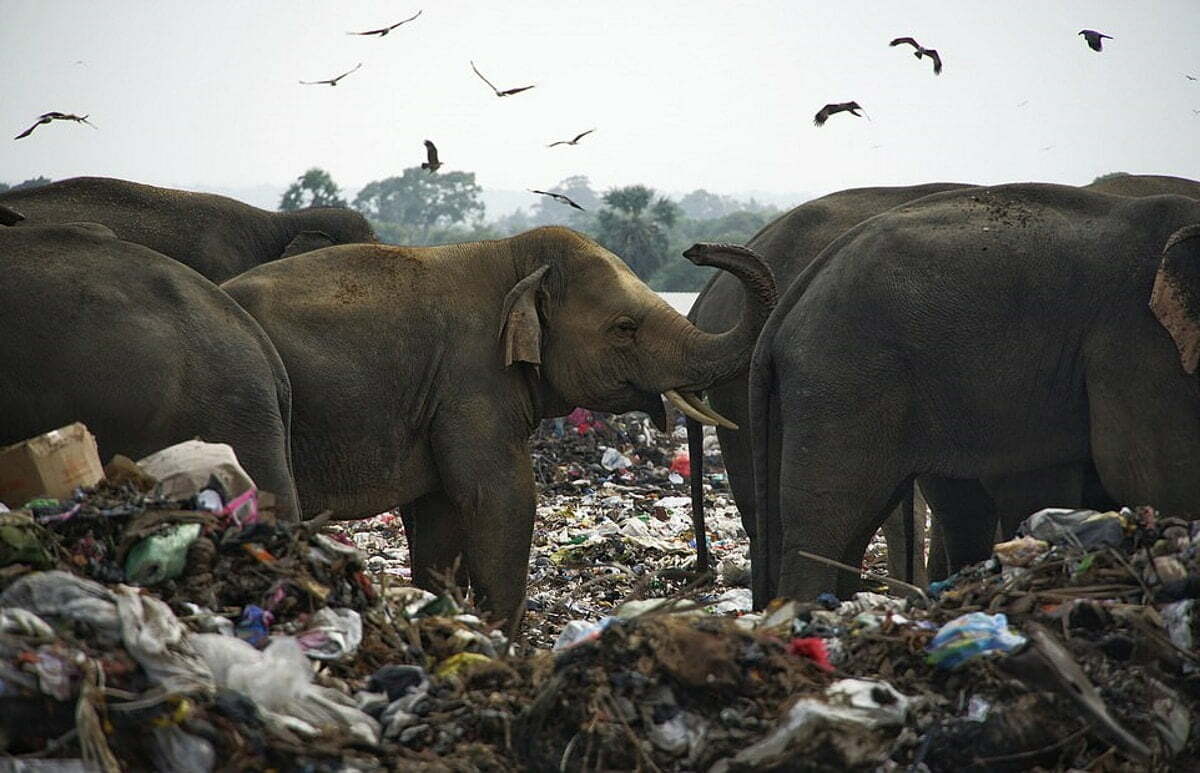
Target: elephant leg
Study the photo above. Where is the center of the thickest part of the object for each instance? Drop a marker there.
(435, 541)
(490, 482)
(1020, 495)
(829, 507)
(737, 453)
(966, 518)
(903, 543)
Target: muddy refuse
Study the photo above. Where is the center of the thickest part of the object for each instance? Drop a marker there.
(193, 631)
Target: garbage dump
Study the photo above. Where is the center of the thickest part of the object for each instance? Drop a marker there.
(173, 623)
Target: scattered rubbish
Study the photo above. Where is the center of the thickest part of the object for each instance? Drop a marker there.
(182, 627)
(162, 555)
(53, 465)
(970, 636)
(1087, 529)
(1020, 551)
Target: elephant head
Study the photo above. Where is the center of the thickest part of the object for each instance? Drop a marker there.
(1175, 300)
(599, 338)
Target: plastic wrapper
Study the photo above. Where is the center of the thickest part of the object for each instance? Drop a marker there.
(971, 635)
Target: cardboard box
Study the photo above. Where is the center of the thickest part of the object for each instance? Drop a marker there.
(53, 465)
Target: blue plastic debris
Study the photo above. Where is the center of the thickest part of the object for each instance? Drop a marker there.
(969, 636)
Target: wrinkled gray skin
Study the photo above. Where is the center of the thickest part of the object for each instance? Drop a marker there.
(408, 393)
(1009, 500)
(1013, 330)
(788, 244)
(144, 351)
(215, 235)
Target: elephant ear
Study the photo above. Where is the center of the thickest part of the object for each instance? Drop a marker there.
(10, 216)
(307, 241)
(520, 329)
(1175, 299)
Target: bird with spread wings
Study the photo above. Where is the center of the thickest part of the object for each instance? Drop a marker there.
(385, 30)
(54, 116)
(431, 157)
(1094, 39)
(575, 141)
(559, 197)
(838, 107)
(332, 81)
(921, 51)
(498, 92)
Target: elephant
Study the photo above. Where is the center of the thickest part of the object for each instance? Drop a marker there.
(975, 334)
(419, 373)
(1008, 500)
(215, 235)
(144, 351)
(788, 244)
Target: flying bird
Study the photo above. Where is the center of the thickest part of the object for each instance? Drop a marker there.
(921, 51)
(385, 30)
(575, 141)
(1093, 38)
(559, 197)
(499, 93)
(332, 81)
(431, 162)
(1189, 77)
(839, 107)
(54, 116)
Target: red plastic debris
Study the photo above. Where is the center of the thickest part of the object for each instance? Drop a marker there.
(813, 648)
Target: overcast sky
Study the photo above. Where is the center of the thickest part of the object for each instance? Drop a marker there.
(682, 94)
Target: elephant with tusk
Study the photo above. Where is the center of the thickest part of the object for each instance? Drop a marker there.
(418, 375)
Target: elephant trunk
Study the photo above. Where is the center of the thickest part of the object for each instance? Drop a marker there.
(711, 358)
(717, 357)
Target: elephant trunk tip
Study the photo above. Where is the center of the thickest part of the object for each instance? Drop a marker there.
(741, 261)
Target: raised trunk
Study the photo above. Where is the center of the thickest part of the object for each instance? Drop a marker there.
(716, 357)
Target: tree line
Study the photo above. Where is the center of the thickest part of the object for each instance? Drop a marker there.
(648, 230)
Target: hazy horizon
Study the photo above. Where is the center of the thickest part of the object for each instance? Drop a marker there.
(682, 95)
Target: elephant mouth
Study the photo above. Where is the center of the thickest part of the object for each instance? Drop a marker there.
(691, 405)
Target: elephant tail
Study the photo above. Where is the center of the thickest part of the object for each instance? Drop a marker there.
(764, 429)
(695, 435)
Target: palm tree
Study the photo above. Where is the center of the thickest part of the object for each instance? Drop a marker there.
(634, 225)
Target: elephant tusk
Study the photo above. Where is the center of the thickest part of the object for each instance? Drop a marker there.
(694, 400)
(692, 407)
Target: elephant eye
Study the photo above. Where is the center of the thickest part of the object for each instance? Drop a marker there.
(624, 327)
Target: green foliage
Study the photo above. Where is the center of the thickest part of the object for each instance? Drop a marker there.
(1109, 176)
(314, 188)
(32, 182)
(678, 274)
(546, 211)
(422, 206)
(635, 226)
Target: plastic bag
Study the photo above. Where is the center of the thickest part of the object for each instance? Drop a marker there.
(614, 460)
(175, 751)
(184, 469)
(63, 596)
(853, 725)
(1089, 528)
(969, 636)
(332, 634)
(160, 643)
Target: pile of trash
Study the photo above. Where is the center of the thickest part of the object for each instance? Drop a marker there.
(160, 617)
